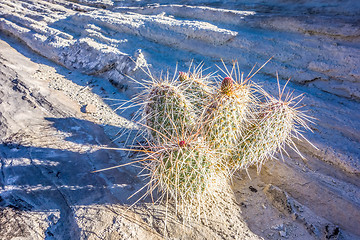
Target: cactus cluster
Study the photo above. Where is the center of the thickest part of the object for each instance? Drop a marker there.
(200, 132)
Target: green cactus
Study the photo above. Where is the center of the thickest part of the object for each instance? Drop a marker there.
(197, 89)
(200, 134)
(274, 126)
(226, 116)
(188, 172)
(167, 112)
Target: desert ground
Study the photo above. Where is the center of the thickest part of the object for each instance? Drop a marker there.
(66, 67)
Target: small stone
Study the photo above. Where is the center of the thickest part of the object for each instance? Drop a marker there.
(278, 227)
(282, 233)
(279, 199)
(252, 189)
(88, 108)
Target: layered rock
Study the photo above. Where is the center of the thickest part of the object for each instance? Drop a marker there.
(55, 115)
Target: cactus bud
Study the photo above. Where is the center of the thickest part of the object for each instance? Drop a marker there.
(227, 85)
(182, 144)
(183, 76)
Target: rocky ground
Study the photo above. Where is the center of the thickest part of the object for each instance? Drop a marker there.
(63, 72)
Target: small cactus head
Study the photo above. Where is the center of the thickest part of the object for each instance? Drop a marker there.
(167, 112)
(183, 76)
(227, 85)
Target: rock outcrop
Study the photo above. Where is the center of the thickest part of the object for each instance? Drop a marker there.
(66, 66)
(313, 42)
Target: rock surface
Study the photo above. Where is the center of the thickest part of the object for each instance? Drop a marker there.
(58, 108)
(49, 148)
(311, 41)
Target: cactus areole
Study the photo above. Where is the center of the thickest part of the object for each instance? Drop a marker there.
(227, 85)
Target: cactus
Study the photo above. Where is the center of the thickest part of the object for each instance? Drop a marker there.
(197, 88)
(226, 116)
(274, 126)
(199, 134)
(167, 111)
(187, 171)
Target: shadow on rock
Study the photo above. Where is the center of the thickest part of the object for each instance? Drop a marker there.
(60, 178)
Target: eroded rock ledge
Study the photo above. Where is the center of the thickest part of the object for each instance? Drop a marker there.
(316, 48)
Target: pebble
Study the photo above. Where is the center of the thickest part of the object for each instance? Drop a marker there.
(282, 233)
(89, 108)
